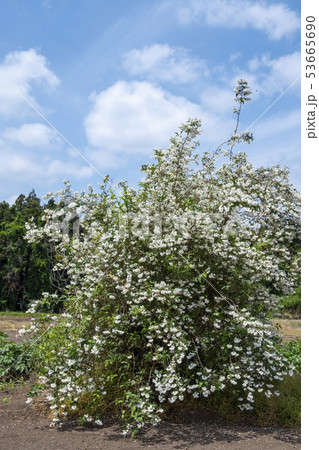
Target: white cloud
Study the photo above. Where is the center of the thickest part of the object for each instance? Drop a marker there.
(164, 63)
(19, 166)
(46, 4)
(234, 56)
(282, 72)
(58, 168)
(277, 141)
(285, 69)
(279, 124)
(12, 198)
(22, 69)
(30, 135)
(135, 117)
(269, 77)
(130, 119)
(218, 99)
(21, 160)
(23, 164)
(275, 19)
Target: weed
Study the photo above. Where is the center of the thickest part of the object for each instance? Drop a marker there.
(291, 305)
(7, 399)
(15, 358)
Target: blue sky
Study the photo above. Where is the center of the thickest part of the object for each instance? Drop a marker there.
(117, 78)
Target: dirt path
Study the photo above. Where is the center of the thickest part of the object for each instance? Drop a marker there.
(25, 427)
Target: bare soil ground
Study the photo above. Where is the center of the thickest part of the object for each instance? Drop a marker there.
(11, 325)
(27, 427)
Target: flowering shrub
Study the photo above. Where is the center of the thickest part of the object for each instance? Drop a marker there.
(170, 284)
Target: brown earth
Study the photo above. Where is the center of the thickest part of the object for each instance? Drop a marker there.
(11, 325)
(27, 427)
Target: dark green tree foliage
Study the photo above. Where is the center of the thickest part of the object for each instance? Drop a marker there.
(24, 268)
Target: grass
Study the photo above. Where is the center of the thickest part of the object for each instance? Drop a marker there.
(291, 305)
(12, 314)
(283, 411)
(289, 328)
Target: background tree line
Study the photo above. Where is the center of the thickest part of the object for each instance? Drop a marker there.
(25, 268)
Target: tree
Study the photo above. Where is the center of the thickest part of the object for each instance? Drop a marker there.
(25, 268)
